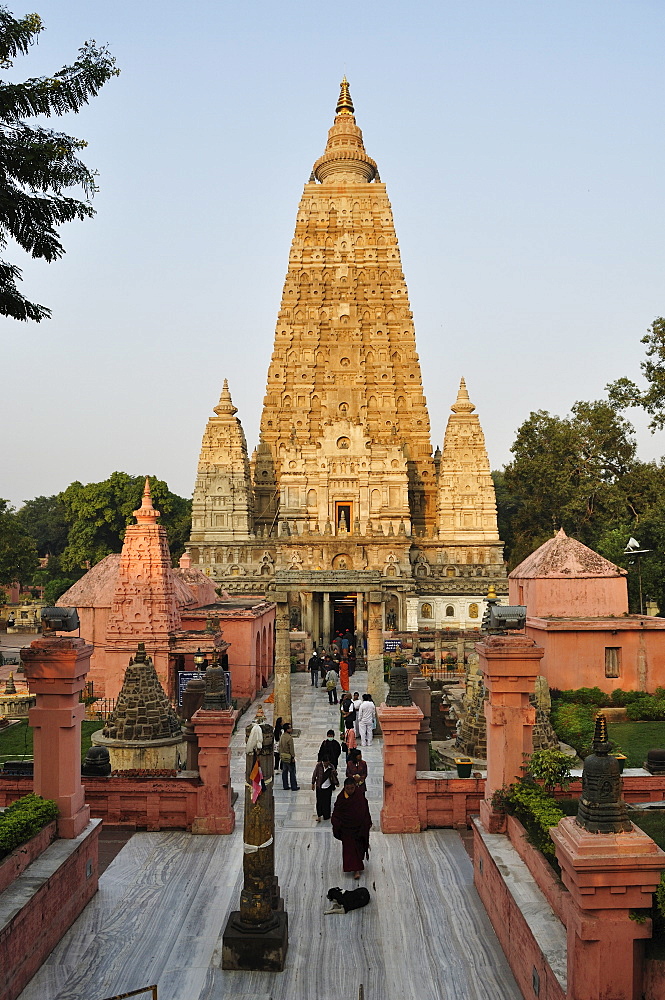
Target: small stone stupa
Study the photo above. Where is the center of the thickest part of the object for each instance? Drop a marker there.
(143, 731)
(601, 808)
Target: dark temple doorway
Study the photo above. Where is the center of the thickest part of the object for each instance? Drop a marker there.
(344, 615)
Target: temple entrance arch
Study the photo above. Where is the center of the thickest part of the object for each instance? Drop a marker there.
(344, 613)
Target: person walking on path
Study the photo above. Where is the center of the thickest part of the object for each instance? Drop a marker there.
(277, 735)
(323, 666)
(330, 748)
(331, 686)
(351, 823)
(287, 756)
(356, 768)
(324, 779)
(313, 666)
(357, 702)
(347, 713)
(366, 720)
(344, 673)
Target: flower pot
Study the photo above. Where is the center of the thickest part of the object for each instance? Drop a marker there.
(463, 765)
(621, 757)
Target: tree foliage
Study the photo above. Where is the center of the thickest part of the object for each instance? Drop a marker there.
(38, 165)
(98, 514)
(44, 519)
(564, 475)
(580, 473)
(624, 393)
(18, 551)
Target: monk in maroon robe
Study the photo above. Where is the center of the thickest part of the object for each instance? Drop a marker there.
(351, 824)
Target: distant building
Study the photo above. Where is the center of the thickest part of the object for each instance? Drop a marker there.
(577, 609)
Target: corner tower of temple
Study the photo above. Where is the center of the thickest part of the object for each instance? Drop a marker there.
(466, 502)
(222, 506)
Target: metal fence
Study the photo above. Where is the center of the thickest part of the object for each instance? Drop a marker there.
(434, 673)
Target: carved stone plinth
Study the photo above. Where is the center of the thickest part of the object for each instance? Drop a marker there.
(400, 802)
(608, 875)
(422, 697)
(509, 665)
(55, 669)
(215, 813)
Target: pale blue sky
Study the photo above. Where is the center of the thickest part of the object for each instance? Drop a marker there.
(523, 147)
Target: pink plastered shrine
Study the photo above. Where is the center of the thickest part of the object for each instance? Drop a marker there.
(577, 610)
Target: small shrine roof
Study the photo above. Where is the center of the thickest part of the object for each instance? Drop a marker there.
(565, 558)
(96, 588)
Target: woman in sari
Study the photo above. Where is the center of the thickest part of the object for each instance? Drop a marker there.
(351, 823)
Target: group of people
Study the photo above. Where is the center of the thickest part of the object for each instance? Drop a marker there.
(335, 666)
(350, 818)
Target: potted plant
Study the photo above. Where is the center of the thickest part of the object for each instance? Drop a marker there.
(463, 765)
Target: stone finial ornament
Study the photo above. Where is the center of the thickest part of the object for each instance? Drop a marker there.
(601, 809)
(97, 763)
(215, 696)
(10, 687)
(398, 693)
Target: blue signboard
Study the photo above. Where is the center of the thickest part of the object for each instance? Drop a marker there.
(184, 677)
(392, 645)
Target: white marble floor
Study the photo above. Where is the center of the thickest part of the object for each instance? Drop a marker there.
(164, 901)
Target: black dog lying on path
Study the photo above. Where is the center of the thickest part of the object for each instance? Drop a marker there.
(345, 900)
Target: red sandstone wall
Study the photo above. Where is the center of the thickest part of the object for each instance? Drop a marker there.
(12, 866)
(32, 933)
(576, 658)
(590, 597)
(140, 803)
(452, 802)
(517, 941)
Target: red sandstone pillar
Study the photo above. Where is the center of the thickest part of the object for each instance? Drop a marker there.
(510, 665)
(400, 726)
(607, 875)
(56, 669)
(213, 731)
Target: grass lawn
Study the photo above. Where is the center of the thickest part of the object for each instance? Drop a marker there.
(16, 741)
(636, 738)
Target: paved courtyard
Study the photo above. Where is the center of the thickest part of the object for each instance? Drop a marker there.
(163, 904)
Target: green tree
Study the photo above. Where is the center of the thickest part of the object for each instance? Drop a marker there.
(565, 473)
(98, 514)
(44, 518)
(38, 165)
(624, 393)
(18, 552)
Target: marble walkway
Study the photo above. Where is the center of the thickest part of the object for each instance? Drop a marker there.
(163, 902)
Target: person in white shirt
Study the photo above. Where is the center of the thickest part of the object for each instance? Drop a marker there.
(366, 719)
(357, 701)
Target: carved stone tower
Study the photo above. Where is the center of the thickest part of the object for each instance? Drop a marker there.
(222, 507)
(466, 502)
(345, 431)
(349, 522)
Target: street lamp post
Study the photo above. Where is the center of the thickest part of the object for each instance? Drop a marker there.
(633, 549)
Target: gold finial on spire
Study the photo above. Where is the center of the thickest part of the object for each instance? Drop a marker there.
(225, 404)
(344, 104)
(462, 404)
